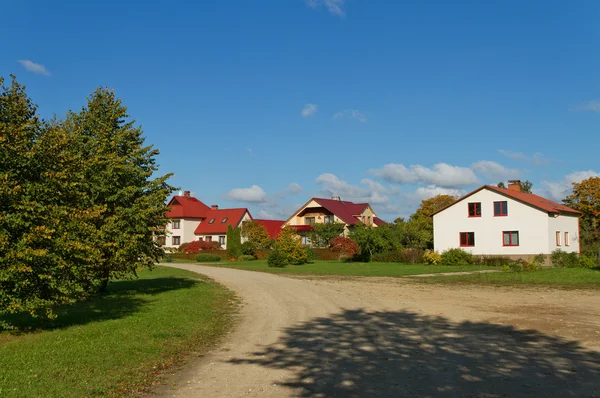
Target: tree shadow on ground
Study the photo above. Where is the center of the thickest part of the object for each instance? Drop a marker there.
(398, 354)
(123, 298)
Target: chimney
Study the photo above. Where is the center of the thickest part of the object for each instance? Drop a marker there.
(514, 185)
(336, 198)
(214, 207)
(186, 194)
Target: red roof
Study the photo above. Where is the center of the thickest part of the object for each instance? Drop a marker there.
(221, 219)
(528, 198)
(343, 209)
(273, 227)
(378, 221)
(186, 207)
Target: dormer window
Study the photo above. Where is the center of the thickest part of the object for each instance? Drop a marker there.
(224, 220)
(212, 220)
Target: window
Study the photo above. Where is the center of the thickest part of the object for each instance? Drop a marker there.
(467, 239)
(224, 220)
(566, 239)
(161, 240)
(309, 220)
(510, 238)
(500, 209)
(176, 224)
(475, 209)
(212, 220)
(221, 240)
(328, 219)
(306, 240)
(557, 238)
(176, 240)
(209, 238)
(201, 239)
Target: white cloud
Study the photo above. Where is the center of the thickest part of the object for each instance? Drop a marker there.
(33, 67)
(372, 191)
(309, 110)
(493, 170)
(333, 6)
(294, 188)
(590, 106)
(430, 191)
(254, 194)
(442, 175)
(558, 190)
(537, 158)
(351, 113)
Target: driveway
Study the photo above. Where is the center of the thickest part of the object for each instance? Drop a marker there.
(358, 337)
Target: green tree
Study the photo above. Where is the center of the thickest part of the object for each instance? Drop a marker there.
(234, 242)
(370, 240)
(586, 199)
(501, 185)
(422, 220)
(257, 234)
(323, 233)
(524, 185)
(288, 244)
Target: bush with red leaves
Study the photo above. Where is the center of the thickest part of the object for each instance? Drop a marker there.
(200, 245)
(346, 247)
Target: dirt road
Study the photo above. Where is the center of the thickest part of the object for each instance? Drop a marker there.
(359, 337)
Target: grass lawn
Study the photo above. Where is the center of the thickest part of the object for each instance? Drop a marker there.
(567, 278)
(116, 343)
(320, 267)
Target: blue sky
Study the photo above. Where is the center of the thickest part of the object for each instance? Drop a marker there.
(266, 103)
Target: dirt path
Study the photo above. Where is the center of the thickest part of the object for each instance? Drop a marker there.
(361, 337)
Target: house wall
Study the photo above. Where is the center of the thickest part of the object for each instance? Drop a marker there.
(532, 224)
(564, 223)
(185, 232)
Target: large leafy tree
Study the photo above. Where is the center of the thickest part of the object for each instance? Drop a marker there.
(117, 175)
(323, 233)
(370, 240)
(256, 234)
(421, 220)
(586, 199)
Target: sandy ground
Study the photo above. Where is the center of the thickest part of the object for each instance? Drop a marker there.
(359, 337)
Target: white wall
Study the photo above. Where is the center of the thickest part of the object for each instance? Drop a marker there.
(185, 232)
(564, 223)
(531, 223)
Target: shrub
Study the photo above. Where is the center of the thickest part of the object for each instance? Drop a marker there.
(563, 259)
(345, 247)
(207, 258)
(247, 257)
(531, 266)
(432, 257)
(456, 257)
(248, 249)
(182, 247)
(540, 259)
(168, 258)
(492, 261)
(402, 256)
(312, 256)
(587, 262)
(298, 255)
(277, 259)
(200, 245)
(411, 256)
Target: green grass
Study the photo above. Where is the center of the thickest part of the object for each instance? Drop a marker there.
(566, 278)
(319, 267)
(116, 343)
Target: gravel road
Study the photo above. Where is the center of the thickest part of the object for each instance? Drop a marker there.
(364, 337)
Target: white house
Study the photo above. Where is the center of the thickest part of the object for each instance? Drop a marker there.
(507, 222)
(193, 220)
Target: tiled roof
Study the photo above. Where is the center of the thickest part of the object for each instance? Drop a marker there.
(378, 221)
(343, 209)
(273, 227)
(222, 219)
(186, 207)
(533, 200)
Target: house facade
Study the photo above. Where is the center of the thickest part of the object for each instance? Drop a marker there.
(191, 220)
(334, 210)
(507, 222)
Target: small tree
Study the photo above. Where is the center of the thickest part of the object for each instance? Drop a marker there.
(290, 246)
(322, 234)
(370, 240)
(257, 234)
(234, 242)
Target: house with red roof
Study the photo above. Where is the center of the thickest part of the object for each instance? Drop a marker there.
(507, 222)
(334, 210)
(193, 220)
(273, 227)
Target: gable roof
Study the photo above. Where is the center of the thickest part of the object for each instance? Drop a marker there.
(222, 219)
(378, 221)
(530, 199)
(273, 227)
(344, 210)
(186, 207)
